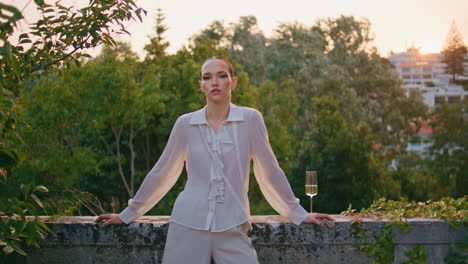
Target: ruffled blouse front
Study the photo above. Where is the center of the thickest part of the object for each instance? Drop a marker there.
(218, 165)
(213, 144)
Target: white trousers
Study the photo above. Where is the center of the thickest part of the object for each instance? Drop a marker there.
(187, 245)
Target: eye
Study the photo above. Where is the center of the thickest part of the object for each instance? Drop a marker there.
(223, 76)
(206, 77)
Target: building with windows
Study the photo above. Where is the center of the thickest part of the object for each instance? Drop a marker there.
(426, 73)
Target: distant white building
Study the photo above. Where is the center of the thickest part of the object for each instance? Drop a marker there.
(426, 72)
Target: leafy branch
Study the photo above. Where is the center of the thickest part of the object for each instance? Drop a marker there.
(451, 210)
(59, 35)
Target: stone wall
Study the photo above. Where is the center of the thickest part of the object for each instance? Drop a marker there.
(80, 240)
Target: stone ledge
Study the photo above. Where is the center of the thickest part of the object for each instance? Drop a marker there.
(79, 239)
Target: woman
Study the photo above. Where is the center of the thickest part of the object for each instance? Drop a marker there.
(210, 218)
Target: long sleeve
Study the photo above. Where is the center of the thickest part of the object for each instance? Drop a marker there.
(162, 176)
(270, 177)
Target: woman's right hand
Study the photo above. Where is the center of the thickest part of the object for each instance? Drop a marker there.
(109, 219)
(313, 218)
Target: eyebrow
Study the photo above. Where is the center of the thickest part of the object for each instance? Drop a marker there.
(209, 73)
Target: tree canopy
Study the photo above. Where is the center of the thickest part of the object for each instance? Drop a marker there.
(454, 52)
(59, 37)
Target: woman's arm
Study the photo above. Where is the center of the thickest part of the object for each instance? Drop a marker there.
(272, 180)
(158, 181)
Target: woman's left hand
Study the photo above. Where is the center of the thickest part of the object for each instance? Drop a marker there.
(313, 218)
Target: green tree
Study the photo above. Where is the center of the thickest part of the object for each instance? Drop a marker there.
(247, 45)
(120, 104)
(156, 49)
(209, 42)
(454, 52)
(51, 131)
(349, 170)
(93, 113)
(333, 58)
(418, 181)
(372, 90)
(279, 106)
(58, 36)
(450, 147)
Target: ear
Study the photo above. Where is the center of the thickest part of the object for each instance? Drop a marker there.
(234, 83)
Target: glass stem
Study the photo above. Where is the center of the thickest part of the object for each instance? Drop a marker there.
(311, 203)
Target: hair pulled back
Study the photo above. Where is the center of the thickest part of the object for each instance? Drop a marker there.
(230, 68)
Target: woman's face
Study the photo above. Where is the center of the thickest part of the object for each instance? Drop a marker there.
(216, 82)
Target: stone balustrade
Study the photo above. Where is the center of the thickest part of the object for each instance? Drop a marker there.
(80, 240)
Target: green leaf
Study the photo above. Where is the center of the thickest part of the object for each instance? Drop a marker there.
(37, 200)
(43, 227)
(22, 36)
(8, 250)
(8, 158)
(18, 249)
(40, 188)
(39, 2)
(15, 11)
(25, 41)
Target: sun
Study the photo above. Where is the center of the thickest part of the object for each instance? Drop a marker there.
(428, 46)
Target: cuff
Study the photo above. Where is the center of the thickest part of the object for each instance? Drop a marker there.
(127, 215)
(298, 215)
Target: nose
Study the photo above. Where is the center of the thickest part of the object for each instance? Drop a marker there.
(215, 81)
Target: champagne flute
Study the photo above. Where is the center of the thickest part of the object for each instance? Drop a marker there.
(311, 187)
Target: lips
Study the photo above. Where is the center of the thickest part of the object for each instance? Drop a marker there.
(215, 91)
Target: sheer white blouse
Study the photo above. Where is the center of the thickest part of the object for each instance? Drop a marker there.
(218, 166)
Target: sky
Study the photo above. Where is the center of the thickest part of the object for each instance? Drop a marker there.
(395, 24)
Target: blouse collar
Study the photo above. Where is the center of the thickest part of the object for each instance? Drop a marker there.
(199, 116)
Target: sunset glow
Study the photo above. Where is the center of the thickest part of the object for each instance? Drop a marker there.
(429, 45)
(396, 25)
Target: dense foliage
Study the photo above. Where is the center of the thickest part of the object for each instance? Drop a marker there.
(57, 38)
(453, 211)
(331, 104)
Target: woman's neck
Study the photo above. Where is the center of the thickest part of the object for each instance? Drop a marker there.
(217, 113)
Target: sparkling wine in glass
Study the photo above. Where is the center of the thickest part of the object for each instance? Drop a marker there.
(311, 187)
